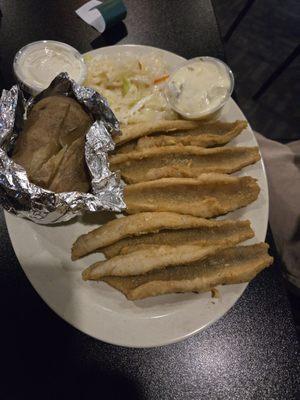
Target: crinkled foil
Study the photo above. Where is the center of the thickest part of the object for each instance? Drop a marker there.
(23, 198)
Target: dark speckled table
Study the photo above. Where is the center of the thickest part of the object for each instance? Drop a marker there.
(250, 353)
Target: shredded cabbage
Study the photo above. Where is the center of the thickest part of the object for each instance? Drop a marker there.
(133, 85)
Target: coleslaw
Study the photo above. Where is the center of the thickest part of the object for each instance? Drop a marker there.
(133, 85)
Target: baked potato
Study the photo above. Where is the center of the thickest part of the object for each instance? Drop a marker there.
(51, 146)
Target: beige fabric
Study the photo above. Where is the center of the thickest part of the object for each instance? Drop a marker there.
(283, 170)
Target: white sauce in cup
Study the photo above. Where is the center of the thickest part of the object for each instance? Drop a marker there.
(38, 63)
(200, 87)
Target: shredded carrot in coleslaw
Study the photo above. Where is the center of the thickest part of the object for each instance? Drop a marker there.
(161, 79)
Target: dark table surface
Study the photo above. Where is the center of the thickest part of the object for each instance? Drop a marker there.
(250, 353)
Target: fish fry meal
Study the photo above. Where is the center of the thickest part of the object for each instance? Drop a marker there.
(177, 173)
(170, 146)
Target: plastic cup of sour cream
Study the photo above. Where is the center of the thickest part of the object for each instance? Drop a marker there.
(38, 63)
(199, 88)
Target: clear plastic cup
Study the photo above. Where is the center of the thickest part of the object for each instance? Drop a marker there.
(214, 112)
(35, 58)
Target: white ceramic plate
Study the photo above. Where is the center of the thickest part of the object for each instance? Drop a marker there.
(104, 313)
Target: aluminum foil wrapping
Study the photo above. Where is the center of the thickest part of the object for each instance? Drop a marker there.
(23, 198)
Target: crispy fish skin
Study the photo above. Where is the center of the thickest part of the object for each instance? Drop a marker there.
(142, 224)
(206, 135)
(181, 161)
(208, 233)
(131, 132)
(229, 266)
(207, 196)
(145, 260)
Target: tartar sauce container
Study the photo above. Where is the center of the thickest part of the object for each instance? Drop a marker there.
(200, 87)
(38, 63)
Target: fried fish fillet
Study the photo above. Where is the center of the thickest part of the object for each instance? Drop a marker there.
(156, 228)
(226, 266)
(145, 260)
(207, 196)
(181, 161)
(132, 225)
(205, 135)
(131, 132)
(206, 233)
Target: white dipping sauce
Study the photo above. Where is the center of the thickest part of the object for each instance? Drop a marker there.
(199, 87)
(37, 64)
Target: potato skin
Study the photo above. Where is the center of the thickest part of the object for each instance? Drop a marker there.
(45, 145)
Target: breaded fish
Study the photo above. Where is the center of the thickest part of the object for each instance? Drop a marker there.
(131, 132)
(229, 266)
(205, 135)
(133, 225)
(207, 196)
(181, 161)
(206, 234)
(151, 228)
(145, 260)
